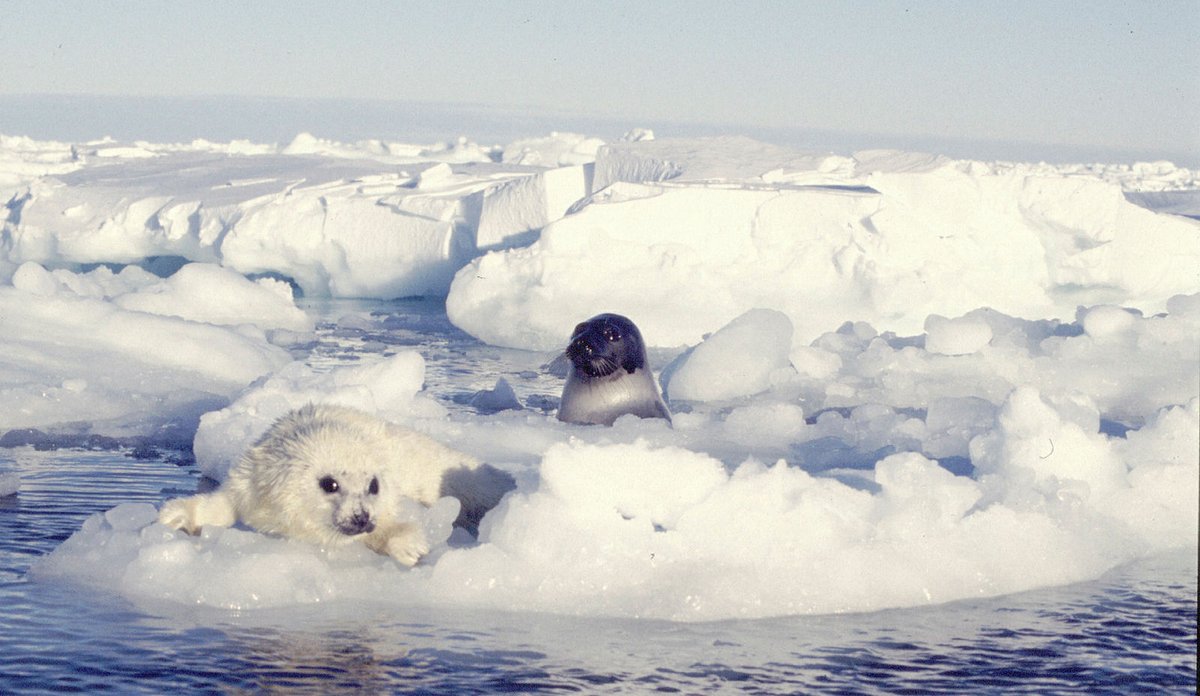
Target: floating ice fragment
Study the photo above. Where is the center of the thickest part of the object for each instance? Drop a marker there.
(10, 484)
(498, 398)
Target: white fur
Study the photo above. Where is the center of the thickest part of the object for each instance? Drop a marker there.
(276, 485)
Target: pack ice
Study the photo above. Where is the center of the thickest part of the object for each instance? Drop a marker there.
(897, 379)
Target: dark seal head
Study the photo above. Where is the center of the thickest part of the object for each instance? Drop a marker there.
(609, 376)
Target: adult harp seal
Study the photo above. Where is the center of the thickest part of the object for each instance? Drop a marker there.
(609, 376)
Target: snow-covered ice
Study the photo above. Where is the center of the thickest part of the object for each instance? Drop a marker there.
(885, 238)
(128, 356)
(897, 379)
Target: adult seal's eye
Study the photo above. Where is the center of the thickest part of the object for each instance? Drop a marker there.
(612, 334)
(328, 484)
(373, 488)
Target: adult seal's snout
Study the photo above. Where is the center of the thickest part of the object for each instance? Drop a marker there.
(609, 374)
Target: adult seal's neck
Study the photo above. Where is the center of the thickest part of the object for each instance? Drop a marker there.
(600, 401)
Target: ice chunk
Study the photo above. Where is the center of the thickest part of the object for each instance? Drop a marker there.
(722, 228)
(10, 484)
(1163, 501)
(1123, 368)
(815, 362)
(919, 497)
(961, 336)
(315, 215)
(759, 424)
(215, 295)
(1104, 322)
(436, 521)
(742, 358)
(952, 422)
(650, 531)
(499, 398)
(555, 150)
(518, 208)
(631, 482)
(1041, 455)
(67, 360)
(130, 516)
(610, 252)
(101, 283)
(35, 280)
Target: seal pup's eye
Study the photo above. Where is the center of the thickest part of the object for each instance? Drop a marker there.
(329, 484)
(612, 333)
(373, 488)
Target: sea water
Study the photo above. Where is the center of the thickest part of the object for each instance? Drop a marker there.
(1132, 630)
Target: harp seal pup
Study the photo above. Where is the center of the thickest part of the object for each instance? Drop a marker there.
(609, 376)
(335, 475)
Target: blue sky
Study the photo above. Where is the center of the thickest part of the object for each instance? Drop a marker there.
(1120, 76)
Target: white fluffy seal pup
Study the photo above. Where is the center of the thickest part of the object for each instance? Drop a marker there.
(609, 375)
(334, 475)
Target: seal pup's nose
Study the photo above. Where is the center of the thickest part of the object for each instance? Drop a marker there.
(359, 523)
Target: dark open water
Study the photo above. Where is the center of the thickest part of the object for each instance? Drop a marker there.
(1132, 631)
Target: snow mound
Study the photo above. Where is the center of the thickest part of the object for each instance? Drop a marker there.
(369, 219)
(214, 295)
(74, 362)
(1126, 375)
(687, 235)
(198, 292)
(743, 358)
